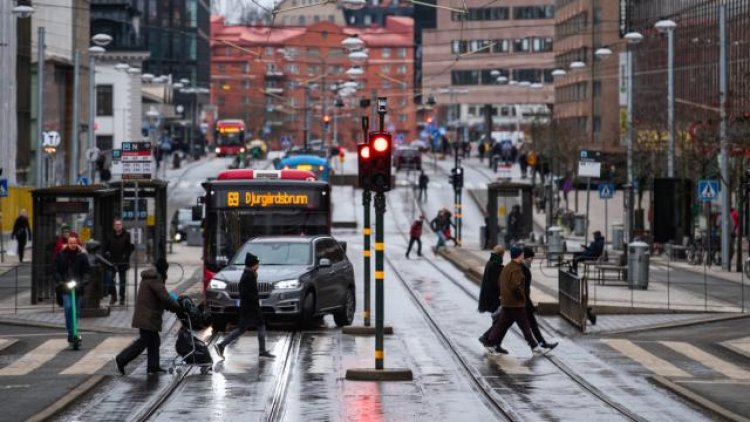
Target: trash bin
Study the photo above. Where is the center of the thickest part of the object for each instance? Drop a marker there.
(194, 235)
(579, 225)
(483, 237)
(555, 247)
(618, 233)
(638, 263)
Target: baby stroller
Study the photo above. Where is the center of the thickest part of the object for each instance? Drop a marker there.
(190, 349)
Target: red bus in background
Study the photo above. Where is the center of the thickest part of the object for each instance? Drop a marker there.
(230, 137)
(241, 204)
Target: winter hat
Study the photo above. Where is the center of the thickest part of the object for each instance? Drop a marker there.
(515, 252)
(528, 252)
(251, 260)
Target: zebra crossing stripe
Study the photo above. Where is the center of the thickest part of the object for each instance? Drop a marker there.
(708, 360)
(35, 358)
(740, 345)
(95, 360)
(6, 342)
(647, 359)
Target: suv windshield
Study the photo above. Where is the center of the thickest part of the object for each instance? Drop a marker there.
(276, 253)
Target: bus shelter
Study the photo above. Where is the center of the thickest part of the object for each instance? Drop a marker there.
(501, 198)
(142, 205)
(88, 211)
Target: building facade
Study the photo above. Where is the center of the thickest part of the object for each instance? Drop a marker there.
(262, 75)
(469, 49)
(587, 109)
(375, 12)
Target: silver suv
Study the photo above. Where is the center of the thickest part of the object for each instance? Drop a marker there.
(299, 277)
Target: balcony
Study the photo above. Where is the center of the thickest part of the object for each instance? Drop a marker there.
(275, 74)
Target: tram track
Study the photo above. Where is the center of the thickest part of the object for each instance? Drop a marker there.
(500, 405)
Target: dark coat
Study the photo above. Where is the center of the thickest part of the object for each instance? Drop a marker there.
(69, 265)
(527, 287)
(512, 286)
(249, 299)
(489, 293)
(595, 248)
(21, 229)
(117, 248)
(151, 302)
(423, 180)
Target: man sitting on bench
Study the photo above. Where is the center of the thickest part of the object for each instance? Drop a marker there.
(591, 252)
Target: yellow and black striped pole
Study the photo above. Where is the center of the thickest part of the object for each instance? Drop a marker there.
(366, 200)
(379, 277)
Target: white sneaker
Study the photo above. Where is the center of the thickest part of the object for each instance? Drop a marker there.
(537, 351)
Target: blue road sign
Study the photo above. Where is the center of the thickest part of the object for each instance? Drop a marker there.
(83, 180)
(3, 188)
(708, 190)
(606, 190)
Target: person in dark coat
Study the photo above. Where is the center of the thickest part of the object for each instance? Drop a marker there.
(593, 251)
(117, 249)
(249, 309)
(513, 304)
(489, 295)
(515, 231)
(423, 181)
(528, 258)
(71, 264)
(415, 236)
(21, 232)
(150, 304)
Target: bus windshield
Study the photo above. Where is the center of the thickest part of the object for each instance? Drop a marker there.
(276, 253)
(229, 139)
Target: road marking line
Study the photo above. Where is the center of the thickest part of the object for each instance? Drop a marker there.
(740, 345)
(646, 359)
(184, 184)
(95, 360)
(6, 342)
(704, 358)
(35, 358)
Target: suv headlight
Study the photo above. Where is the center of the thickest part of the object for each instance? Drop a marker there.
(286, 284)
(217, 284)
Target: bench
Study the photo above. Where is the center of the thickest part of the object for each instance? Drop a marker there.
(608, 267)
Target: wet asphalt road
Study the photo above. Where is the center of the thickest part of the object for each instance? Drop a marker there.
(311, 386)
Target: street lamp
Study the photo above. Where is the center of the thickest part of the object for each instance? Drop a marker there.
(358, 57)
(603, 52)
(355, 72)
(353, 4)
(559, 72)
(578, 64)
(502, 79)
(353, 42)
(666, 26)
(23, 12)
(122, 67)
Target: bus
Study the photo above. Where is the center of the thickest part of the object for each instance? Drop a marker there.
(315, 164)
(230, 137)
(242, 204)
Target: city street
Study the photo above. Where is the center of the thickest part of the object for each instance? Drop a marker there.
(431, 305)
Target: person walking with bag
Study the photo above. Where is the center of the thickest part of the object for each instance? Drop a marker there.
(249, 309)
(489, 291)
(21, 232)
(150, 304)
(415, 236)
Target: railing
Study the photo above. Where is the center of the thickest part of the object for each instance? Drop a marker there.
(573, 298)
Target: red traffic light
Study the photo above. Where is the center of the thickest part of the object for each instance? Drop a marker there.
(326, 118)
(364, 152)
(380, 144)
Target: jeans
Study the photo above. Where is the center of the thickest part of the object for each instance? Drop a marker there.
(411, 243)
(123, 274)
(148, 340)
(242, 326)
(68, 308)
(441, 239)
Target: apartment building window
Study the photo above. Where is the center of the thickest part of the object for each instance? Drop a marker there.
(541, 45)
(247, 67)
(480, 46)
(401, 69)
(403, 102)
(316, 18)
(331, 18)
(465, 77)
(386, 68)
(293, 85)
(246, 84)
(571, 26)
(312, 52)
(458, 46)
(246, 101)
(521, 45)
(368, 20)
(385, 84)
(501, 46)
(301, 20)
(221, 68)
(386, 52)
(534, 12)
(104, 98)
(292, 102)
(222, 100)
(227, 51)
(482, 14)
(402, 53)
(402, 118)
(313, 69)
(292, 68)
(488, 79)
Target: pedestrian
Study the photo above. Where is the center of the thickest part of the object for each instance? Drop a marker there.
(117, 249)
(447, 224)
(593, 251)
(415, 236)
(528, 258)
(523, 163)
(512, 306)
(424, 180)
(150, 304)
(62, 240)
(489, 291)
(481, 150)
(71, 265)
(250, 312)
(514, 226)
(533, 161)
(21, 232)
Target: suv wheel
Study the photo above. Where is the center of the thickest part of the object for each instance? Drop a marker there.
(307, 309)
(345, 315)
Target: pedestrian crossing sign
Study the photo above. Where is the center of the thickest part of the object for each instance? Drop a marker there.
(708, 190)
(606, 190)
(3, 188)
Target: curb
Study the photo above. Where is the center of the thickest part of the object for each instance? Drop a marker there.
(43, 324)
(698, 399)
(678, 324)
(67, 399)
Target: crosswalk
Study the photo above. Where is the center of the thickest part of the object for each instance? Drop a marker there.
(90, 361)
(682, 359)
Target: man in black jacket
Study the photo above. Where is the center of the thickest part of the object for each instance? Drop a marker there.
(71, 264)
(21, 232)
(117, 248)
(489, 293)
(249, 309)
(528, 258)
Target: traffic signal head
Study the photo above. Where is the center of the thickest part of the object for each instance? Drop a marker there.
(380, 150)
(326, 121)
(364, 159)
(456, 178)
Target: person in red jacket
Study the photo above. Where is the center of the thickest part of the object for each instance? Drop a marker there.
(415, 235)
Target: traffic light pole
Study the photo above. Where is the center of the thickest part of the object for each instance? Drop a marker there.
(366, 201)
(379, 278)
(457, 193)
